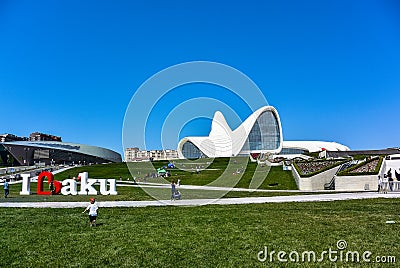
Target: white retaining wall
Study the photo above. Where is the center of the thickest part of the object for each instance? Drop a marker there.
(316, 182)
(356, 183)
(360, 182)
(343, 183)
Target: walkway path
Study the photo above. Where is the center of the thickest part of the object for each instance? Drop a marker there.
(211, 188)
(199, 202)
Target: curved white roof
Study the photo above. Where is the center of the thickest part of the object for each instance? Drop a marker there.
(225, 142)
(315, 146)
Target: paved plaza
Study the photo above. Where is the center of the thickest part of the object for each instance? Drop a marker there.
(198, 202)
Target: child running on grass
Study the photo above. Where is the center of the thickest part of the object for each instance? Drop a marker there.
(92, 208)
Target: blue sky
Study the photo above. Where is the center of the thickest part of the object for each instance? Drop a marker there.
(331, 68)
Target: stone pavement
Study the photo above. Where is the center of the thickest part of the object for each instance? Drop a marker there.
(199, 202)
(212, 188)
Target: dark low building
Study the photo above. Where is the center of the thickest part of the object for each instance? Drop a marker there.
(336, 154)
(33, 152)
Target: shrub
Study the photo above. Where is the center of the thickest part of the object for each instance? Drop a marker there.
(335, 163)
(348, 172)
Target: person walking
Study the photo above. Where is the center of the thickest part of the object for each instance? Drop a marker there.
(92, 208)
(391, 184)
(379, 184)
(385, 183)
(6, 188)
(173, 189)
(51, 187)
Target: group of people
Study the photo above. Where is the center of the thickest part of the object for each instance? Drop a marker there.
(386, 183)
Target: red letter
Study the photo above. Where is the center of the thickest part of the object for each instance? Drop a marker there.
(50, 178)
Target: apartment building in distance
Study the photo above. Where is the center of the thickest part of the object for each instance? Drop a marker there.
(135, 154)
(11, 137)
(37, 136)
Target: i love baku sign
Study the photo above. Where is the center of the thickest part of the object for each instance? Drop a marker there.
(69, 186)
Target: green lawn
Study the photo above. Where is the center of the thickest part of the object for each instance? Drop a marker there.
(206, 236)
(276, 178)
(106, 171)
(273, 178)
(130, 194)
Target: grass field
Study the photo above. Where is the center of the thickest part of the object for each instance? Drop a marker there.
(281, 180)
(129, 194)
(273, 178)
(207, 236)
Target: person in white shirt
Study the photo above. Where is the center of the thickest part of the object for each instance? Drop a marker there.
(379, 184)
(385, 182)
(92, 208)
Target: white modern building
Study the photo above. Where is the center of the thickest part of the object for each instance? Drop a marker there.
(293, 149)
(259, 134)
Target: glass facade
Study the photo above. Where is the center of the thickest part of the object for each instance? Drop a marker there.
(190, 151)
(3, 155)
(265, 134)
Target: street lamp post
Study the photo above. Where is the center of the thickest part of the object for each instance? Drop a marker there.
(26, 155)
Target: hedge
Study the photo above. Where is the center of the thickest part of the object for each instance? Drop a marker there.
(347, 172)
(318, 171)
